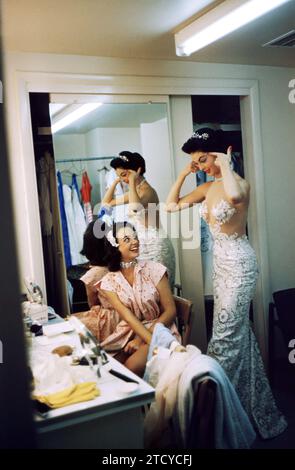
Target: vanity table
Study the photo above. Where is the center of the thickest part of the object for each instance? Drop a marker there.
(113, 420)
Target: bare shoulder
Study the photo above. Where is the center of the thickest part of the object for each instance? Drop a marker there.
(149, 193)
(205, 187)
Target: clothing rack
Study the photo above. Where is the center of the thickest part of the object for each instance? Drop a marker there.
(84, 159)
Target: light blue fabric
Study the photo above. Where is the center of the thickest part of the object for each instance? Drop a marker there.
(70, 294)
(162, 336)
(64, 225)
(104, 210)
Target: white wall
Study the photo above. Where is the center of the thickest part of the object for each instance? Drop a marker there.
(110, 141)
(156, 151)
(278, 137)
(66, 147)
(163, 77)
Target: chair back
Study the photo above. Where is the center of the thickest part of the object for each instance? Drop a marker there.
(284, 301)
(183, 317)
(201, 433)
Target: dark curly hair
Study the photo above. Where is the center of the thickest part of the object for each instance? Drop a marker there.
(94, 246)
(131, 161)
(113, 255)
(205, 140)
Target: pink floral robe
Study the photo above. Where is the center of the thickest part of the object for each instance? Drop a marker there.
(142, 299)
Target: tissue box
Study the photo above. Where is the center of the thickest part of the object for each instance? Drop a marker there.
(38, 313)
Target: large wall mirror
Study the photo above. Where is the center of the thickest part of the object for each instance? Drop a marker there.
(85, 137)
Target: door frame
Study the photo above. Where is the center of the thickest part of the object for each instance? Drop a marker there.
(22, 82)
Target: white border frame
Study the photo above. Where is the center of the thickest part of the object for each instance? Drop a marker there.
(73, 83)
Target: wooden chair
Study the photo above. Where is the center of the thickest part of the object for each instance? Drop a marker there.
(183, 317)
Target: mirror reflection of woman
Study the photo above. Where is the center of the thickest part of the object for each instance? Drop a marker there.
(143, 210)
(224, 207)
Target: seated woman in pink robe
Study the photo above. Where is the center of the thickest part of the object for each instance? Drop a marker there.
(139, 292)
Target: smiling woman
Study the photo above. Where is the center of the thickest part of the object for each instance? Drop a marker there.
(132, 296)
(224, 207)
(139, 292)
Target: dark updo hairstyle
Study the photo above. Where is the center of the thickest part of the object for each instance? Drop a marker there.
(113, 254)
(94, 247)
(129, 161)
(205, 140)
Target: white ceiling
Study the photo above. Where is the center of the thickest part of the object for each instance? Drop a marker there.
(137, 29)
(114, 115)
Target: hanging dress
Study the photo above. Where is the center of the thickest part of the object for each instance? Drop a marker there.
(86, 197)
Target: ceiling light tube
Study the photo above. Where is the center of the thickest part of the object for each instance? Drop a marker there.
(220, 21)
(74, 116)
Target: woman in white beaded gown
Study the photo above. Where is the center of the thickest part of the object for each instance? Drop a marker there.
(143, 211)
(224, 207)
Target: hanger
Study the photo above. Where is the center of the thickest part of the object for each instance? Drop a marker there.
(72, 169)
(104, 168)
(82, 167)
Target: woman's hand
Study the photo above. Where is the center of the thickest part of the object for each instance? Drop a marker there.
(192, 167)
(133, 175)
(133, 345)
(223, 158)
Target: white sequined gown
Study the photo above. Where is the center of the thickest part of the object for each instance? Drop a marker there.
(233, 343)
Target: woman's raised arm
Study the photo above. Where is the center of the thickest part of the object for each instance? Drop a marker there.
(174, 202)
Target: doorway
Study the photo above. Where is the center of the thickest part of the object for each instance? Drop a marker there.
(69, 83)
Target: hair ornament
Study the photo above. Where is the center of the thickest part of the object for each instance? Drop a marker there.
(105, 215)
(123, 157)
(203, 136)
(112, 239)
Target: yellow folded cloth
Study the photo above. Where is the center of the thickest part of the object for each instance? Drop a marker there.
(75, 394)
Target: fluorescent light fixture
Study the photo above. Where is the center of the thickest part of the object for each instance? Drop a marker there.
(55, 108)
(220, 21)
(74, 116)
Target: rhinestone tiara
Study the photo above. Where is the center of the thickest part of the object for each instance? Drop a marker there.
(123, 157)
(203, 136)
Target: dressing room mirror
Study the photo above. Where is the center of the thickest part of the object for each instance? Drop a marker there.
(86, 137)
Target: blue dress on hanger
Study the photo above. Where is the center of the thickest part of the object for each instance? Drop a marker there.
(76, 187)
(65, 233)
